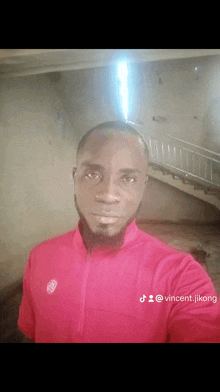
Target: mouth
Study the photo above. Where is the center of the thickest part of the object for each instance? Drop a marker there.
(106, 218)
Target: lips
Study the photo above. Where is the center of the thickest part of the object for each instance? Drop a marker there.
(109, 218)
(110, 214)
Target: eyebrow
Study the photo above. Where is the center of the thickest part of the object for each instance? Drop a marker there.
(96, 166)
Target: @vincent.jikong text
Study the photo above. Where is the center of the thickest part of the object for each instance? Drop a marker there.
(179, 298)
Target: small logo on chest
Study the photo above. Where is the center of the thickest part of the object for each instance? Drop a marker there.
(51, 286)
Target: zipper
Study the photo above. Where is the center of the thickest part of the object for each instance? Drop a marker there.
(80, 325)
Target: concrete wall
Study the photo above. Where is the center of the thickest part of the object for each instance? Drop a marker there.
(184, 91)
(37, 155)
(42, 119)
(189, 98)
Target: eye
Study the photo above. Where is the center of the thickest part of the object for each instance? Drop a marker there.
(129, 179)
(92, 175)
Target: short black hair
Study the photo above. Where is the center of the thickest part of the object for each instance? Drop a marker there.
(113, 125)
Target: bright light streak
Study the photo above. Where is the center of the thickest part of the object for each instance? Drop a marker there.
(123, 75)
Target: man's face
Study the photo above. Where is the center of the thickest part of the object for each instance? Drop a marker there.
(109, 181)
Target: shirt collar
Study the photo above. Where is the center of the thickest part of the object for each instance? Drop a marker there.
(130, 235)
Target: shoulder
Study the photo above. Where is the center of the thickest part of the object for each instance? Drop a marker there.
(166, 260)
(52, 244)
(173, 267)
(157, 249)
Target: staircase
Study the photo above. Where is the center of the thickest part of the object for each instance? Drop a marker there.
(185, 166)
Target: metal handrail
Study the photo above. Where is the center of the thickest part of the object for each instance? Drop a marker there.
(163, 150)
(165, 153)
(158, 133)
(194, 152)
(194, 145)
(182, 141)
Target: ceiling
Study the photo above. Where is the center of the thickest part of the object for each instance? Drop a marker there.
(21, 62)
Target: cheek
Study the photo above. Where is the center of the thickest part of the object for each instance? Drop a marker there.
(84, 195)
(132, 201)
(134, 193)
(83, 188)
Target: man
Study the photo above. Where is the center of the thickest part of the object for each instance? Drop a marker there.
(107, 281)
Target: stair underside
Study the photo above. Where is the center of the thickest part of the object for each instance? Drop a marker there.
(188, 184)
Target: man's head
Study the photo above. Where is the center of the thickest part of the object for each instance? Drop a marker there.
(110, 179)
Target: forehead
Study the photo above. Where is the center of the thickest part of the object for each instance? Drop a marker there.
(106, 145)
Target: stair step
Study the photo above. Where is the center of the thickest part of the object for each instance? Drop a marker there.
(166, 172)
(199, 187)
(211, 192)
(156, 167)
(175, 177)
(188, 182)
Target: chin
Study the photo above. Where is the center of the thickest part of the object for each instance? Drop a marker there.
(109, 232)
(105, 230)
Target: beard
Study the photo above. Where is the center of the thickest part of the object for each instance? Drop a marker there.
(100, 241)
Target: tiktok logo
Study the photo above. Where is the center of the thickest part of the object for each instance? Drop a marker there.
(142, 299)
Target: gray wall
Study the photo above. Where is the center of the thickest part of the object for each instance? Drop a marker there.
(37, 155)
(188, 98)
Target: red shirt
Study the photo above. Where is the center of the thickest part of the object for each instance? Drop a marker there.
(70, 297)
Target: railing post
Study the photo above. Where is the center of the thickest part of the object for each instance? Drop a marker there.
(157, 151)
(174, 150)
(150, 147)
(181, 161)
(163, 151)
(187, 161)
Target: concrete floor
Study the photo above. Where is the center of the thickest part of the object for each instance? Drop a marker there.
(204, 238)
(182, 237)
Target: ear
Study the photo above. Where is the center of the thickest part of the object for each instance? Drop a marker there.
(74, 172)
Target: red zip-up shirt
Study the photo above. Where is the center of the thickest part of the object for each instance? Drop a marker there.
(148, 292)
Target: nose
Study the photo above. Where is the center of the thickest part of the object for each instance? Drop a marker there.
(107, 192)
